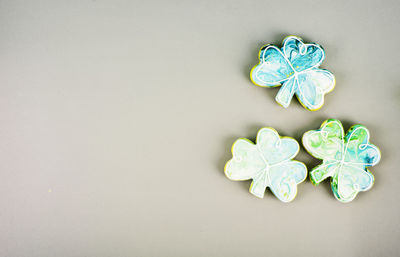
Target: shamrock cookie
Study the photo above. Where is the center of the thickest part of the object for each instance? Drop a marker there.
(295, 67)
(269, 163)
(345, 158)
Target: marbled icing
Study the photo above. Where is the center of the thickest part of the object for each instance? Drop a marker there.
(268, 163)
(345, 158)
(295, 67)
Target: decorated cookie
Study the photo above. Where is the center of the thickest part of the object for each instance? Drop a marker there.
(268, 163)
(345, 158)
(295, 68)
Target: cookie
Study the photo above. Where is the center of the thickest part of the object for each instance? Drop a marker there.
(268, 163)
(295, 68)
(345, 158)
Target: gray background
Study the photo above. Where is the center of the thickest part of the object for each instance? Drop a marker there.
(117, 118)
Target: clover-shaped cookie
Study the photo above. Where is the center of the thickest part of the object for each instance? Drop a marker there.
(345, 158)
(295, 67)
(269, 163)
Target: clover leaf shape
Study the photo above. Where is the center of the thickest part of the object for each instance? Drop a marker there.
(345, 158)
(295, 67)
(268, 163)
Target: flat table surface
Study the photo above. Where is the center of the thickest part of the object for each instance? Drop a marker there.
(117, 118)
